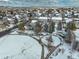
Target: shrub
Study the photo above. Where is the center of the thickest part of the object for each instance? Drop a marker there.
(71, 26)
(21, 26)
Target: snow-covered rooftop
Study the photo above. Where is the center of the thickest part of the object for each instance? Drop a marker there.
(53, 18)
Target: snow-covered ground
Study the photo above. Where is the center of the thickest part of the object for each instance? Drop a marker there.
(14, 46)
(66, 50)
(77, 34)
(65, 53)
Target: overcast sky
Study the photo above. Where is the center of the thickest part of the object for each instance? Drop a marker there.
(59, 3)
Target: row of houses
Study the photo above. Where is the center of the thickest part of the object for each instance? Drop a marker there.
(13, 15)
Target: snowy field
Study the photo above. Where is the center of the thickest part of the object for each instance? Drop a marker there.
(13, 46)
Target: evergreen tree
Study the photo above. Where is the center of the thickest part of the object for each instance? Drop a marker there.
(21, 26)
(70, 36)
(30, 17)
(71, 26)
(59, 26)
(51, 27)
(46, 27)
(37, 28)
